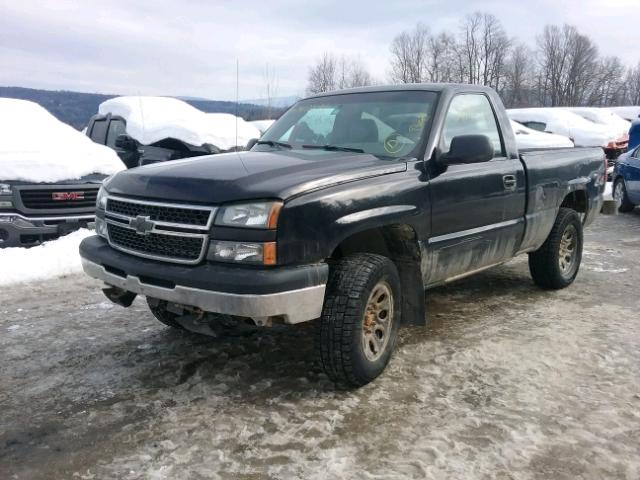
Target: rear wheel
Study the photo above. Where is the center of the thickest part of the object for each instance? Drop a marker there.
(555, 265)
(357, 332)
(620, 196)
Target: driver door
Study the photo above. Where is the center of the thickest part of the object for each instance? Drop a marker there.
(477, 209)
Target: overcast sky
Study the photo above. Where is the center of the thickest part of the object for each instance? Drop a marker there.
(190, 47)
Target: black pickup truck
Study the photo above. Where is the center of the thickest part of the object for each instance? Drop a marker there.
(344, 212)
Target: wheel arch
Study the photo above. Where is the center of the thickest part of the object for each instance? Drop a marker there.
(397, 241)
(576, 200)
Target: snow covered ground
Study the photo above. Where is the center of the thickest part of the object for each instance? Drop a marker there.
(51, 259)
(507, 382)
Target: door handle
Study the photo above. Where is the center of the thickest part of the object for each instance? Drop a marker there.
(509, 182)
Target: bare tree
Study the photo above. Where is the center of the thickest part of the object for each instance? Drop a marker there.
(442, 58)
(322, 76)
(632, 86)
(270, 87)
(331, 72)
(608, 85)
(483, 47)
(564, 70)
(518, 77)
(568, 61)
(409, 55)
(358, 75)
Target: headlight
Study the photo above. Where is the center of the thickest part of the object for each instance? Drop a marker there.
(242, 252)
(5, 189)
(250, 215)
(101, 199)
(101, 228)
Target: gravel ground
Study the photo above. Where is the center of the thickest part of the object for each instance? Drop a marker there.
(507, 382)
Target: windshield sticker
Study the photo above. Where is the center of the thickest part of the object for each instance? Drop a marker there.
(392, 144)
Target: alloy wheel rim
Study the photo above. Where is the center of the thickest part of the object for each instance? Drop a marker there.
(378, 321)
(568, 250)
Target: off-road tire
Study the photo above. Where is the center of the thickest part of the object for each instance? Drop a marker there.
(625, 205)
(544, 263)
(339, 332)
(163, 315)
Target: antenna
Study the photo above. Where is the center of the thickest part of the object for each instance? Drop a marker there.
(237, 101)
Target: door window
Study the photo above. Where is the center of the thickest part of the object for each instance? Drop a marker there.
(99, 131)
(116, 127)
(471, 114)
(540, 126)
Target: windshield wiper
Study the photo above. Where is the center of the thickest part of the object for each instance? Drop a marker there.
(273, 143)
(334, 148)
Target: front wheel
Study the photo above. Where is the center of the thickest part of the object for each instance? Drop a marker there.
(357, 332)
(620, 196)
(159, 310)
(555, 265)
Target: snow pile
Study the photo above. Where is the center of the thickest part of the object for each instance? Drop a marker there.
(51, 259)
(262, 125)
(608, 191)
(618, 126)
(562, 122)
(151, 119)
(530, 138)
(223, 129)
(628, 113)
(37, 147)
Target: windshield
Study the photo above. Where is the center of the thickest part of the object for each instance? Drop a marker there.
(385, 124)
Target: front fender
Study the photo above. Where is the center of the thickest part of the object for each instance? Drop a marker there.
(312, 226)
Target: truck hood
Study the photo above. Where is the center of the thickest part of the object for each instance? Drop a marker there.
(231, 177)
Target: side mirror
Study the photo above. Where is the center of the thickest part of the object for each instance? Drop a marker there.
(126, 143)
(251, 143)
(468, 149)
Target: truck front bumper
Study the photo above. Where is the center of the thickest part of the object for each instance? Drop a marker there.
(295, 294)
(17, 230)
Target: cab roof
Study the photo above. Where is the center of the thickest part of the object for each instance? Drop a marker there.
(427, 87)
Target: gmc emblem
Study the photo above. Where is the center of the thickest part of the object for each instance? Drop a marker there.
(66, 196)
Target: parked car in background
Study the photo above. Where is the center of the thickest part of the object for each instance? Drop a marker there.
(629, 113)
(618, 126)
(626, 180)
(145, 130)
(49, 175)
(527, 138)
(634, 134)
(343, 213)
(582, 132)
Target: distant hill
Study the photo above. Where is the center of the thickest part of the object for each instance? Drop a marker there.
(75, 108)
(276, 102)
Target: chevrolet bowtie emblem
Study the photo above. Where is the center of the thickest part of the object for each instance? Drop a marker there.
(141, 224)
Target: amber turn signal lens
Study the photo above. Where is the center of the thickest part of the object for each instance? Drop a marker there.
(269, 253)
(272, 221)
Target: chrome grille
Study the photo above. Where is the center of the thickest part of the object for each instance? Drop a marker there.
(177, 247)
(174, 233)
(162, 213)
